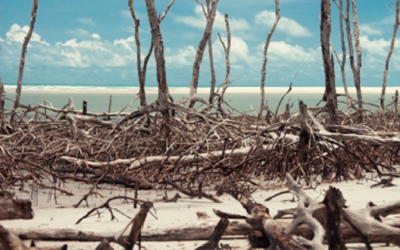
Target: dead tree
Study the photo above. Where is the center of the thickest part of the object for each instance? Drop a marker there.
(227, 49)
(264, 65)
(23, 53)
(210, 52)
(142, 70)
(356, 69)
(385, 72)
(163, 92)
(200, 51)
(2, 116)
(342, 63)
(330, 88)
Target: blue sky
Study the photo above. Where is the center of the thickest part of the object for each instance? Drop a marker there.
(91, 42)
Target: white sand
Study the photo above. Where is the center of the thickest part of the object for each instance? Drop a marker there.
(49, 215)
(186, 90)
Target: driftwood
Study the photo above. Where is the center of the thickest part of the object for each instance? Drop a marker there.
(216, 235)
(11, 209)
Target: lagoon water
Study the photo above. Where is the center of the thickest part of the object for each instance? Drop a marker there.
(98, 99)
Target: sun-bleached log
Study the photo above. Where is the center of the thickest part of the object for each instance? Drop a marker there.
(11, 209)
(137, 162)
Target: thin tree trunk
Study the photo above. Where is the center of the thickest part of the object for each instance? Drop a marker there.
(2, 116)
(163, 93)
(227, 49)
(355, 69)
(264, 65)
(142, 71)
(330, 89)
(342, 63)
(200, 51)
(210, 55)
(22, 60)
(385, 73)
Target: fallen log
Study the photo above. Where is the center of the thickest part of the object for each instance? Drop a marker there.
(236, 229)
(11, 209)
(138, 162)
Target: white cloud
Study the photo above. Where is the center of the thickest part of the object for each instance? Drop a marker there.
(199, 21)
(1, 39)
(239, 52)
(81, 33)
(289, 52)
(18, 33)
(126, 43)
(96, 36)
(285, 25)
(83, 54)
(377, 46)
(86, 21)
(180, 58)
(369, 30)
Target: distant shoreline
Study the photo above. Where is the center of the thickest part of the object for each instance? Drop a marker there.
(183, 90)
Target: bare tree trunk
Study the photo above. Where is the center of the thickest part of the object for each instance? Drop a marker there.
(385, 73)
(22, 60)
(200, 51)
(342, 63)
(142, 71)
(163, 93)
(264, 65)
(2, 116)
(330, 89)
(227, 49)
(210, 52)
(356, 69)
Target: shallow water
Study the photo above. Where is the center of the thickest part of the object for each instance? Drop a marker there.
(246, 102)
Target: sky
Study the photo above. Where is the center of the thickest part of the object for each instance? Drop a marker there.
(91, 42)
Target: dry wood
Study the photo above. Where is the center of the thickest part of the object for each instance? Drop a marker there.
(334, 203)
(10, 241)
(141, 70)
(392, 44)
(342, 62)
(163, 93)
(265, 53)
(200, 51)
(356, 69)
(23, 53)
(227, 49)
(216, 236)
(330, 87)
(11, 209)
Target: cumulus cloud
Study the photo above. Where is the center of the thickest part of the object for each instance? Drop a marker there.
(376, 47)
(81, 33)
(294, 53)
(199, 21)
(18, 33)
(370, 30)
(285, 25)
(126, 43)
(180, 57)
(86, 21)
(96, 36)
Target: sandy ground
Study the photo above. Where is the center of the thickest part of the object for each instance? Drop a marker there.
(51, 213)
(186, 90)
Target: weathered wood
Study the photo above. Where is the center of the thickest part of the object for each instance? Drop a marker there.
(23, 53)
(265, 58)
(392, 44)
(163, 92)
(216, 236)
(330, 88)
(334, 202)
(11, 209)
(200, 51)
(10, 241)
